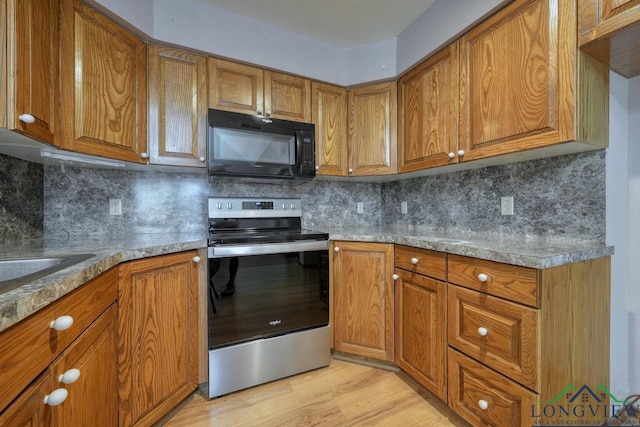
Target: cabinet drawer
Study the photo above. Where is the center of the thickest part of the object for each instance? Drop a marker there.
(498, 333)
(519, 284)
(422, 261)
(484, 397)
(31, 345)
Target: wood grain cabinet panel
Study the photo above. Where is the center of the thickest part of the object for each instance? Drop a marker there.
(373, 130)
(525, 85)
(609, 30)
(428, 113)
(103, 82)
(420, 330)
(287, 97)
(329, 114)
(31, 345)
(177, 107)
(422, 261)
(498, 333)
(93, 398)
(158, 336)
(363, 299)
(29, 409)
(31, 71)
(235, 87)
(484, 397)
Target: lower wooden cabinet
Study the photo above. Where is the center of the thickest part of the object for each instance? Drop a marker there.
(84, 377)
(158, 335)
(486, 398)
(420, 330)
(363, 323)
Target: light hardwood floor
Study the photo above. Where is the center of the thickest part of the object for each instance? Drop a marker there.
(343, 394)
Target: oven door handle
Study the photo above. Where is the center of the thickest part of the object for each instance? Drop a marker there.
(267, 248)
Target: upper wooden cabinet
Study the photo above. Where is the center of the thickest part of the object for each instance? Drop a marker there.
(609, 30)
(251, 90)
(29, 71)
(373, 130)
(177, 107)
(524, 83)
(428, 113)
(103, 83)
(329, 114)
(363, 299)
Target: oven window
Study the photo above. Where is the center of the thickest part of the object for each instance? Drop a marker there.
(266, 295)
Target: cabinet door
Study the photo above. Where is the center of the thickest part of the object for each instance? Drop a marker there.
(610, 31)
(287, 97)
(373, 130)
(158, 335)
(177, 107)
(235, 87)
(428, 116)
(29, 408)
(93, 398)
(363, 298)
(103, 99)
(523, 84)
(329, 104)
(32, 69)
(420, 330)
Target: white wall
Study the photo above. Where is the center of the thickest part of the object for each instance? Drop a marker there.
(617, 231)
(195, 25)
(634, 235)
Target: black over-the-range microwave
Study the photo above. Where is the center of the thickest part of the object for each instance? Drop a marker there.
(243, 145)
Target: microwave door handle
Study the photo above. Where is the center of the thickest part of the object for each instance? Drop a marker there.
(298, 164)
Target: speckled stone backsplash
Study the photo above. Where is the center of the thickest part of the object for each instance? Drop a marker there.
(560, 197)
(557, 197)
(21, 199)
(77, 201)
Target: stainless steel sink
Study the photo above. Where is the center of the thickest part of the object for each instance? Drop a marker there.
(20, 271)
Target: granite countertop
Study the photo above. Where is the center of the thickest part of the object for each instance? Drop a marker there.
(533, 252)
(109, 251)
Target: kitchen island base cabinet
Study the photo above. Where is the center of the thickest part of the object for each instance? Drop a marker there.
(363, 299)
(158, 347)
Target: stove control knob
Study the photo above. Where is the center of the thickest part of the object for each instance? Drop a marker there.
(284, 206)
(292, 205)
(229, 205)
(219, 205)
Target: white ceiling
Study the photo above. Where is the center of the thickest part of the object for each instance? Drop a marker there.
(344, 23)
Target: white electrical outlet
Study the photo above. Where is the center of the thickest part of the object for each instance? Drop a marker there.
(115, 207)
(360, 207)
(506, 205)
(403, 207)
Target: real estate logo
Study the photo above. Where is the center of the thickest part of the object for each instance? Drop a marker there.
(582, 406)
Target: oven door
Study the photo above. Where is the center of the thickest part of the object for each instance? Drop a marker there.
(264, 290)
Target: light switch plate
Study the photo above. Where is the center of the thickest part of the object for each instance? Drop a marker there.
(360, 207)
(506, 205)
(115, 207)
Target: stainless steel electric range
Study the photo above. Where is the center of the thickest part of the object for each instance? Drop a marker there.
(268, 311)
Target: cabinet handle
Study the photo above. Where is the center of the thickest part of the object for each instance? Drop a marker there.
(196, 258)
(62, 323)
(414, 261)
(268, 112)
(452, 155)
(260, 110)
(483, 404)
(483, 277)
(394, 276)
(350, 170)
(460, 153)
(482, 331)
(70, 376)
(336, 249)
(317, 167)
(56, 397)
(144, 155)
(202, 159)
(27, 118)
